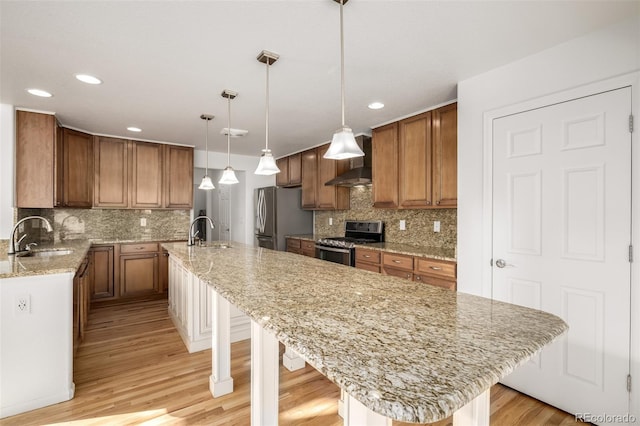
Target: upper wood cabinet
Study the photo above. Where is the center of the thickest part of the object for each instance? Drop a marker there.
(145, 188)
(290, 171)
(111, 179)
(35, 150)
(54, 166)
(415, 161)
(178, 177)
(309, 161)
(316, 170)
(445, 156)
(414, 156)
(77, 153)
(384, 165)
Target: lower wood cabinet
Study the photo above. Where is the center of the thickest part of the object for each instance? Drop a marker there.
(190, 309)
(299, 246)
(102, 272)
(368, 260)
(138, 269)
(81, 298)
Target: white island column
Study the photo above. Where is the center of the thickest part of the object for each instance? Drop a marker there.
(220, 382)
(265, 380)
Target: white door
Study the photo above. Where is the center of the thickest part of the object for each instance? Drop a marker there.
(224, 206)
(561, 235)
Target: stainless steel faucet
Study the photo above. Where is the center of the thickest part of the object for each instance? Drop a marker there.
(12, 239)
(192, 236)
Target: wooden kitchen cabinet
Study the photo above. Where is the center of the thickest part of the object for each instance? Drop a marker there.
(178, 177)
(308, 248)
(290, 171)
(384, 166)
(139, 269)
(77, 169)
(415, 161)
(163, 271)
(445, 156)
(440, 273)
(368, 260)
(414, 156)
(34, 159)
(294, 245)
(316, 170)
(145, 187)
(397, 265)
(111, 168)
(102, 273)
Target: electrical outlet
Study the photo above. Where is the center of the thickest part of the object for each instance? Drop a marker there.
(436, 226)
(22, 304)
(330, 221)
(403, 225)
(143, 221)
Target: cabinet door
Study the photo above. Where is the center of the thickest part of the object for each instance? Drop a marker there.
(445, 156)
(145, 189)
(111, 172)
(282, 178)
(101, 264)
(138, 274)
(178, 179)
(35, 145)
(309, 178)
(331, 197)
(295, 169)
(78, 169)
(414, 162)
(384, 153)
(163, 271)
(58, 187)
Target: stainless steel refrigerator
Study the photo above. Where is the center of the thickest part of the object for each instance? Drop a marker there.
(278, 213)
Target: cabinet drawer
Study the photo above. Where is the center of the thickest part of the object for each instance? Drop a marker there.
(138, 248)
(368, 266)
(308, 245)
(438, 282)
(370, 256)
(398, 273)
(293, 245)
(436, 268)
(397, 261)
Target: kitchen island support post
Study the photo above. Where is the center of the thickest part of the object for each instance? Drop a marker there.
(220, 382)
(265, 380)
(475, 413)
(291, 360)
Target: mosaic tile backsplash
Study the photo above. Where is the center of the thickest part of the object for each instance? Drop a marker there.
(110, 225)
(419, 223)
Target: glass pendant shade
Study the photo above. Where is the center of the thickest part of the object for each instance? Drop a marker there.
(206, 183)
(267, 165)
(343, 145)
(228, 176)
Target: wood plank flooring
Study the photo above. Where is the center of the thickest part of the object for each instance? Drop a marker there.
(132, 368)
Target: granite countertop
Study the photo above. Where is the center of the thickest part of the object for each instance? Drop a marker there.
(410, 352)
(16, 266)
(125, 241)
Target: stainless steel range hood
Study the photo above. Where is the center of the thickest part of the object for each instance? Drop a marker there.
(360, 171)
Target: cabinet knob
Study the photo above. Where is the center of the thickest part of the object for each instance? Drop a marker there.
(428, 203)
(418, 278)
(438, 202)
(408, 275)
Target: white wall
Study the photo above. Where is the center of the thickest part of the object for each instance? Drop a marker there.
(597, 56)
(7, 137)
(242, 193)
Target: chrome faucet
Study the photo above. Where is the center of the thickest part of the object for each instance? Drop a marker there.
(12, 239)
(192, 236)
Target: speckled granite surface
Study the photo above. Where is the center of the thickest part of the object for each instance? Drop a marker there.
(408, 351)
(12, 266)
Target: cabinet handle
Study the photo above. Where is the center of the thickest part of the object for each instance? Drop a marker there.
(155, 255)
(367, 256)
(438, 202)
(428, 203)
(396, 261)
(435, 268)
(418, 278)
(408, 275)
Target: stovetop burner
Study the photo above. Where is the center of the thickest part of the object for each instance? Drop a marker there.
(356, 232)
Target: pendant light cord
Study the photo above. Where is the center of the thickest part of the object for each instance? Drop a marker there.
(342, 59)
(266, 139)
(229, 132)
(206, 147)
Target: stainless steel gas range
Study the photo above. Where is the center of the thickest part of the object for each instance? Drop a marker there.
(342, 249)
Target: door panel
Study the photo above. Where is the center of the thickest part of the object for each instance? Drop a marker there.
(561, 230)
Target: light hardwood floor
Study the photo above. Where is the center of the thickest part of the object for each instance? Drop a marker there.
(132, 368)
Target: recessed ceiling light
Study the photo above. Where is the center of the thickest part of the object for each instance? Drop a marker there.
(134, 129)
(89, 79)
(376, 105)
(39, 92)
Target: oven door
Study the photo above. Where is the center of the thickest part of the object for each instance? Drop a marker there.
(335, 254)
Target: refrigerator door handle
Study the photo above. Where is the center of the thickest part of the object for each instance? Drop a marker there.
(261, 210)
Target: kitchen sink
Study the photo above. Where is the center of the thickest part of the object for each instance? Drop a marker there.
(45, 253)
(218, 245)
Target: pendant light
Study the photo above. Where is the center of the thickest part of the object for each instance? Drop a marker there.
(206, 183)
(228, 175)
(267, 165)
(343, 145)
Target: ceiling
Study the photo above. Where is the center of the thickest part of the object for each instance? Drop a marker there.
(165, 63)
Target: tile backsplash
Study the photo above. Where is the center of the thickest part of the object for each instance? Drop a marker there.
(419, 223)
(110, 224)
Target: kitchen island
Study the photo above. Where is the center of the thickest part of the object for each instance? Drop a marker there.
(402, 350)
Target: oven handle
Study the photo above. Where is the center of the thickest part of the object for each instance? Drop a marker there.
(333, 249)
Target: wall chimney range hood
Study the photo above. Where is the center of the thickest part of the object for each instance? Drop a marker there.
(360, 171)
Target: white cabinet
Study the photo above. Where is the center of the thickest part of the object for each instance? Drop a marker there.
(190, 308)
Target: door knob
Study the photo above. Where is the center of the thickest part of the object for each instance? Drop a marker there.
(501, 263)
